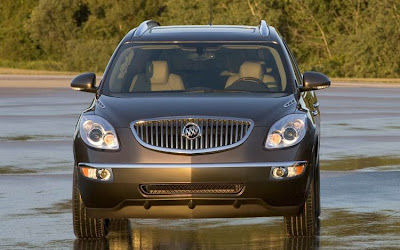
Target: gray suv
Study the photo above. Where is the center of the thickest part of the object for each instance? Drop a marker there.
(198, 122)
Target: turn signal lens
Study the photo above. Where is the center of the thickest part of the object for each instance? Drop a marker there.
(295, 170)
(89, 172)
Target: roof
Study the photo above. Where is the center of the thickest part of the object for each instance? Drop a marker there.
(150, 31)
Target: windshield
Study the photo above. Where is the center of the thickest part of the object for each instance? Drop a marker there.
(199, 67)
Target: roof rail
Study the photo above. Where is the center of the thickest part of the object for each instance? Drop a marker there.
(264, 31)
(144, 26)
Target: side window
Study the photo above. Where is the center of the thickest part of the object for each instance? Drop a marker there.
(294, 63)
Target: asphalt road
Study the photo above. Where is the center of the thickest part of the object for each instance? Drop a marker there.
(360, 182)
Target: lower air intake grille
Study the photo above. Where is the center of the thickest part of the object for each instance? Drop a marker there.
(190, 188)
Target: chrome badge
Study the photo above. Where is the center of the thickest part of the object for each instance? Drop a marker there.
(191, 131)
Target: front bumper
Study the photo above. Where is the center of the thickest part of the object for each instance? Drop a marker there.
(121, 197)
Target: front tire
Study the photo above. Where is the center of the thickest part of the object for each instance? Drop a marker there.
(317, 192)
(84, 226)
(306, 222)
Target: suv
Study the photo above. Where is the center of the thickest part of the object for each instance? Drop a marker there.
(198, 122)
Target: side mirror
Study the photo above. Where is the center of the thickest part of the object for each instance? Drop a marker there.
(314, 81)
(84, 82)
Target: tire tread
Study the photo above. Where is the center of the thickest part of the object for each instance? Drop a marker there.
(304, 224)
(84, 226)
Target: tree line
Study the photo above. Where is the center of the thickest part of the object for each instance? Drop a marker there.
(342, 38)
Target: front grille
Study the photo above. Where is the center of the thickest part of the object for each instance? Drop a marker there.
(190, 188)
(166, 134)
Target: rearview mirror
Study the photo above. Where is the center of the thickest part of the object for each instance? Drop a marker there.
(314, 81)
(84, 82)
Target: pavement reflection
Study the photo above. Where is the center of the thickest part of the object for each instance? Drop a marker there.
(234, 237)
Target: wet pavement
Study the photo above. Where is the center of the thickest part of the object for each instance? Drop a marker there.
(359, 193)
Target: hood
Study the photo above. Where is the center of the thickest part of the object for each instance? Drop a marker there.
(263, 109)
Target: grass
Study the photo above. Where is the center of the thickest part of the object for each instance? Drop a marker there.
(17, 138)
(33, 137)
(354, 163)
(14, 170)
(56, 208)
(366, 80)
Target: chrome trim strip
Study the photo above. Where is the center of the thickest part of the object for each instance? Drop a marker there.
(189, 165)
(193, 151)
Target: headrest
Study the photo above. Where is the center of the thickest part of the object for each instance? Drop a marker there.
(159, 72)
(251, 69)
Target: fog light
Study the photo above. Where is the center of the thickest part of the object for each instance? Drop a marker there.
(97, 174)
(288, 172)
(279, 172)
(104, 174)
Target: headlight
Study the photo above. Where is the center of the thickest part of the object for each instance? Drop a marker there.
(98, 133)
(287, 132)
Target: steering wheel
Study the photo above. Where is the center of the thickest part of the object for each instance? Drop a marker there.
(250, 79)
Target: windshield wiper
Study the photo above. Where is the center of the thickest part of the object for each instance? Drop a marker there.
(215, 91)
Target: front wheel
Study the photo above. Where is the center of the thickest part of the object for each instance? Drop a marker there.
(84, 226)
(306, 222)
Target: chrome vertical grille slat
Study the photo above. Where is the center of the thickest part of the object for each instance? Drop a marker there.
(156, 124)
(162, 133)
(180, 134)
(211, 134)
(176, 133)
(206, 136)
(216, 133)
(226, 132)
(231, 138)
(221, 133)
(241, 131)
(166, 134)
(201, 138)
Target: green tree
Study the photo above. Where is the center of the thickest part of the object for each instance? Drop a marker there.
(53, 22)
(16, 43)
(353, 38)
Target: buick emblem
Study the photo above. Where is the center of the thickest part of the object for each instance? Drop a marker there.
(191, 131)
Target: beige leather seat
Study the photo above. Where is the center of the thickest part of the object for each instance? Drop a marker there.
(162, 80)
(255, 70)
